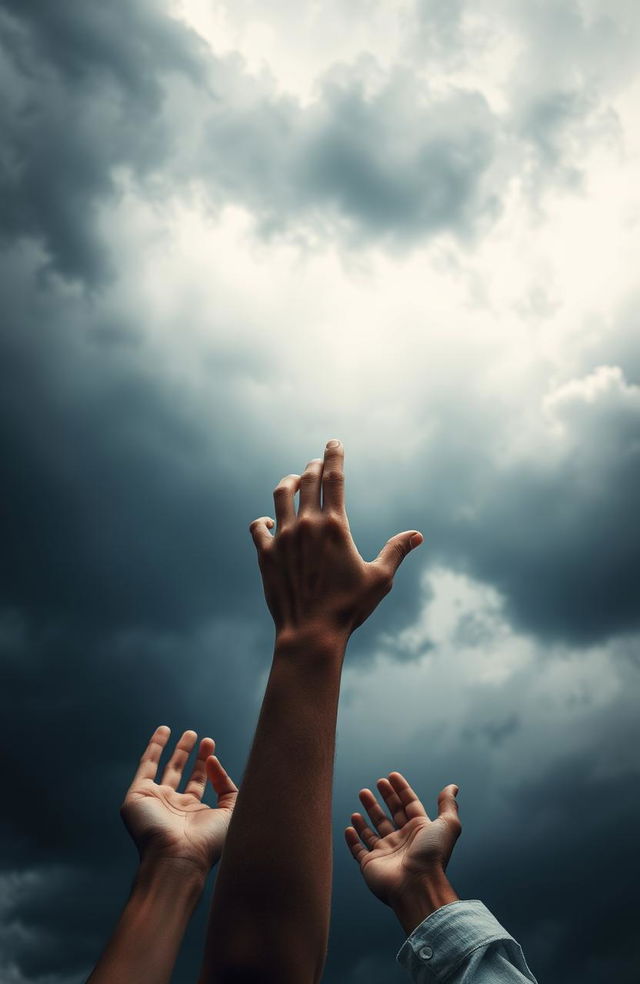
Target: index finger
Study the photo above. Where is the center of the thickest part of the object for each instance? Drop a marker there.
(333, 477)
(148, 768)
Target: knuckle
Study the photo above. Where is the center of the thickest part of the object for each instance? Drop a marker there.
(306, 523)
(333, 522)
(454, 824)
(399, 547)
(332, 476)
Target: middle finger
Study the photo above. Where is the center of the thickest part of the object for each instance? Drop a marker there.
(378, 817)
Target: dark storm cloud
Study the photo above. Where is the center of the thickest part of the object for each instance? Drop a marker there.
(396, 164)
(549, 810)
(558, 533)
(93, 93)
(113, 483)
(83, 91)
(124, 535)
(129, 590)
(96, 92)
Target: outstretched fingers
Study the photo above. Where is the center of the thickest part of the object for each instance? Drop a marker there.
(198, 779)
(174, 768)
(365, 833)
(393, 801)
(148, 767)
(407, 796)
(378, 817)
(333, 477)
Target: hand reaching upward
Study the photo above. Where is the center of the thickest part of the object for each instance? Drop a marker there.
(406, 856)
(167, 824)
(313, 575)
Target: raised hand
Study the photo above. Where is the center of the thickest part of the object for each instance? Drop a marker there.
(167, 824)
(313, 576)
(403, 856)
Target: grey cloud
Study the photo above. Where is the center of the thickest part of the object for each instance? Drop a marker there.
(378, 157)
(113, 483)
(550, 522)
(403, 163)
(84, 88)
(548, 810)
(116, 482)
(559, 537)
(375, 158)
(95, 92)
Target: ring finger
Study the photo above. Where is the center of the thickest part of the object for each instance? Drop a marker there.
(310, 487)
(283, 498)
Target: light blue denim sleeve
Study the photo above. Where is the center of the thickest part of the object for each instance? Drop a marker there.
(462, 943)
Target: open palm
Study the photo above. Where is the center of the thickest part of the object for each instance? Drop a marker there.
(394, 853)
(167, 824)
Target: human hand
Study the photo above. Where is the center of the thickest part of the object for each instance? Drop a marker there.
(312, 574)
(404, 858)
(168, 825)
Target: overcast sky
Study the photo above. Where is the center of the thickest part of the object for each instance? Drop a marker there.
(230, 232)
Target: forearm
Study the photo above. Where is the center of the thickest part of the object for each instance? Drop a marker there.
(146, 940)
(270, 910)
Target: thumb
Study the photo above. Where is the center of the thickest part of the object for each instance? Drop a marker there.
(396, 549)
(447, 803)
(220, 779)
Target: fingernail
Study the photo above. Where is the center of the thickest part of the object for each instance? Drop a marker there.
(333, 444)
(416, 540)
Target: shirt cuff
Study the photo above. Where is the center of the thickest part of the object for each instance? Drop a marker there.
(447, 937)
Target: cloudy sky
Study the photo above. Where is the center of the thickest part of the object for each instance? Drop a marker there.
(229, 232)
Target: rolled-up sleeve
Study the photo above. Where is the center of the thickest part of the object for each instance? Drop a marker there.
(462, 943)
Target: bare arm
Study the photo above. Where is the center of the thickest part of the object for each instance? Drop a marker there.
(179, 839)
(270, 914)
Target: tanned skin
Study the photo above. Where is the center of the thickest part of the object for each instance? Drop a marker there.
(179, 840)
(403, 855)
(269, 918)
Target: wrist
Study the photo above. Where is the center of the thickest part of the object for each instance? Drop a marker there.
(316, 640)
(160, 874)
(421, 897)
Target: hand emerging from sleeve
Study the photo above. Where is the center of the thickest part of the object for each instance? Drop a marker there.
(167, 824)
(402, 853)
(312, 572)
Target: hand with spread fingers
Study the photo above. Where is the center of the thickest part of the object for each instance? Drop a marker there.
(179, 838)
(168, 824)
(403, 855)
(313, 575)
(270, 912)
